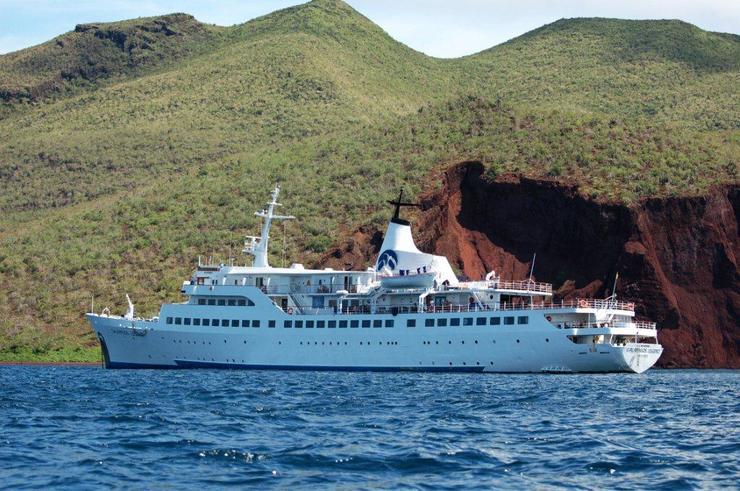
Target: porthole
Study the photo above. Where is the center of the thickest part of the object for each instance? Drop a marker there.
(450, 342)
(517, 340)
(476, 341)
(245, 342)
(450, 363)
(463, 342)
(547, 340)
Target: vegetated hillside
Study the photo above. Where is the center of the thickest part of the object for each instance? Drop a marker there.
(98, 52)
(119, 186)
(667, 70)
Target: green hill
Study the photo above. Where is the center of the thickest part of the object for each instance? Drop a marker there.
(117, 179)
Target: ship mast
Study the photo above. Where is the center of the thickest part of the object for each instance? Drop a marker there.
(258, 246)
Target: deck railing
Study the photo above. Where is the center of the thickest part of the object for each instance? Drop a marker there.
(524, 285)
(474, 307)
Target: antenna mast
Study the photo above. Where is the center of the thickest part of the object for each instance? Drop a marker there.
(258, 246)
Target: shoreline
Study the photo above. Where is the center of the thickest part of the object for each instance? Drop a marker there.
(50, 363)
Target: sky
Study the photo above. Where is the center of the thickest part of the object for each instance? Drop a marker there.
(441, 28)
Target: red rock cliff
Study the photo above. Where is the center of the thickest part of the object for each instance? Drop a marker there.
(676, 257)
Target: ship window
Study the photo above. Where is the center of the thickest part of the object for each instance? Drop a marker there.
(206, 322)
(211, 301)
(234, 323)
(366, 323)
(455, 321)
(429, 322)
(389, 323)
(332, 324)
(178, 320)
(245, 323)
(309, 324)
(225, 322)
(186, 321)
(377, 323)
(411, 323)
(522, 319)
(354, 323)
(214, 322)
(495, 321)
(468, 321)
(298, 324)
(441, 322)
(241, 302)
(320, 324)
(255, 323)
(288, 324)
(221, 301)
(270, 323)
(169, 320)
(201, 301)
(196, 322)
(232, 302)
(480, 321)
(508, 321)
(317, 302)
(341, 324)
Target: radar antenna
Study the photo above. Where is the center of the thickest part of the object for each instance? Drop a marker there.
(257, 246)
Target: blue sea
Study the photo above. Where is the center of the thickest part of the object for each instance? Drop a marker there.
(89, 428)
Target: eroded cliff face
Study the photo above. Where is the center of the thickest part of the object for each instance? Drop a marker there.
(676, 257)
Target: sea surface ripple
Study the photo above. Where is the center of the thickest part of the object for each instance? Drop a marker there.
(88, 428)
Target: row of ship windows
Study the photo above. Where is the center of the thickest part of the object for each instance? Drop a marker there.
(444, 322)
(187, 321)
(228, 302)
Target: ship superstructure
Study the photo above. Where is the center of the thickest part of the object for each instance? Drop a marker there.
(408, 312)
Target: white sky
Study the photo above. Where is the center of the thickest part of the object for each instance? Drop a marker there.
(443, 28)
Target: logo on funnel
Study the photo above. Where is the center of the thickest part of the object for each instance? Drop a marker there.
(387, 258)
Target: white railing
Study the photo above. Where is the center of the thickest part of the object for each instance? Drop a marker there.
(524, 285)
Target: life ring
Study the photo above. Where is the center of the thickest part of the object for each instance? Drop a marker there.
(290, 311)
(583, 304)
(549, 318)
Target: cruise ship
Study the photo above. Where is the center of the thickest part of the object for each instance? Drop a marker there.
(409, 312)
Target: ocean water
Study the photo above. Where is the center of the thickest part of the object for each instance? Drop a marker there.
(88, 428)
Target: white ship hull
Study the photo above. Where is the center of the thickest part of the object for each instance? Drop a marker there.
(537, 347)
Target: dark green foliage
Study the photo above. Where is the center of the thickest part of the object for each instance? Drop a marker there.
(155, 147)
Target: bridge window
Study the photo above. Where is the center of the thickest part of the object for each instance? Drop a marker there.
(410, 322)
(455, 321)
(522, 319)
(495, 321)
(509, 321)
(221, 301)
(241, 302)
(389, 323)
(468, 321)
(377, 323)
(211, 301)
(480, 321)
(245, 323)
(288, 324)
(231, 302)
(332, 324)
(201, 301)
(428, 322)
